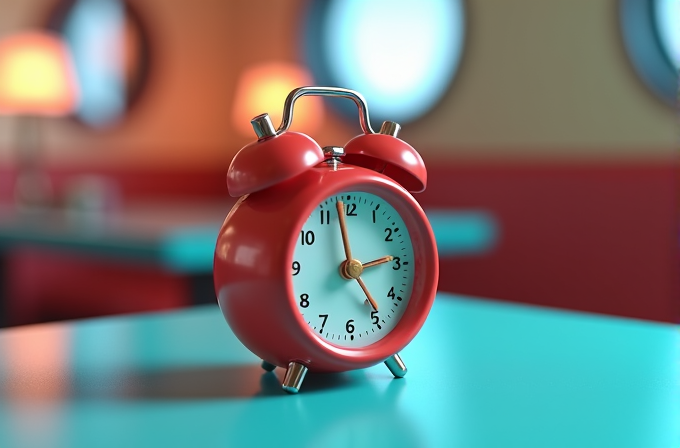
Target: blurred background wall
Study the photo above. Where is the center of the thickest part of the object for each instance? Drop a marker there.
(546, 126)
(538, 81)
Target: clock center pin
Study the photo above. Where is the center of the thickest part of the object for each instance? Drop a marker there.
(351, 269)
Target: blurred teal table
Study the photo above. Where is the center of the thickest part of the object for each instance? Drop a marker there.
(481, 374)
(180, 236)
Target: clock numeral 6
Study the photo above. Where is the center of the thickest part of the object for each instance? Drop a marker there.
(296, 268)
(304, 300)
(306, 238)
(349, 327)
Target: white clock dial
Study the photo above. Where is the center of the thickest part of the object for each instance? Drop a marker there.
(337, 308)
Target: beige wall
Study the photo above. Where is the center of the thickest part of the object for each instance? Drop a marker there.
(539, 79)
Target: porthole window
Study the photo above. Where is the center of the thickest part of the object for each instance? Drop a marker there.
(650, 30)
(401, 55)
(110, 50)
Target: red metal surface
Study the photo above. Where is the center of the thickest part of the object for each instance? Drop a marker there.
(255, 293)
(388, 155)
(270, 161)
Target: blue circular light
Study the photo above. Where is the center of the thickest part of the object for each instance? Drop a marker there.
(667, 18)
(401, 55)
(650, 31)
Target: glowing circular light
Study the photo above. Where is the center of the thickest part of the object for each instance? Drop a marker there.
(667, 18)
(650, 32)
(399, 54)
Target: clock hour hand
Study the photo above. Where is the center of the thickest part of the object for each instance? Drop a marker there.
(378, 261)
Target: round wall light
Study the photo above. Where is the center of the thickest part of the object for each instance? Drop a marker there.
(401, 55)
(650, 30)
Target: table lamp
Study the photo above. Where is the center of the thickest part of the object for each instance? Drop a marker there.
(37, 80)
(264, 87)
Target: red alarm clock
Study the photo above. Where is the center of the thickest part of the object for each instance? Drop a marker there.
(326, 262)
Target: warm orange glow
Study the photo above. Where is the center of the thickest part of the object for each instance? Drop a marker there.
(36, 75)
(36, 360)
(264, 88)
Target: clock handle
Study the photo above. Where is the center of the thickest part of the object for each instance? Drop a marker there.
(358, 99)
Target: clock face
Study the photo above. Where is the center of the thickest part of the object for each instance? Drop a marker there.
(335, 306)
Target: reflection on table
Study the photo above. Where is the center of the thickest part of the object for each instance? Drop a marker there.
(481, 373)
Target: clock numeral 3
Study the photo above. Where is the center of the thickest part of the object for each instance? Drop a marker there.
(397, 265)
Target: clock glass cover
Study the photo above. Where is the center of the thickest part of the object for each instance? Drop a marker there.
(335, 306)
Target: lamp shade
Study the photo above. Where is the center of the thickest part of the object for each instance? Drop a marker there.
(263, 88)
(36, 75)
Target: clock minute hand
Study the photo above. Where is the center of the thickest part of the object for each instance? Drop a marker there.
(340, 207)
(350, 268)
(370, 298)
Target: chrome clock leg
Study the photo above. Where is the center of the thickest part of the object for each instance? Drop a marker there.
(268, 366)
(396, 366)
(294, 376)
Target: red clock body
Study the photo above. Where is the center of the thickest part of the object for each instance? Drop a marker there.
(254, 278)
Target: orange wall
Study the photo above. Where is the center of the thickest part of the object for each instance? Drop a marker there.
(539, 80)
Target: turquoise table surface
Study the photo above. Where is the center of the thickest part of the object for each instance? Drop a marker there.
(481, 374)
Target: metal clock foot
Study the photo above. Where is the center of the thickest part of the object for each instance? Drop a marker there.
(396, 366)
(294, 376)
(268, 366)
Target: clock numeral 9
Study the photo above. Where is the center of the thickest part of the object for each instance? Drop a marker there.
(349, 326)
(304, 300)
(306, 238)
(296, 268)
